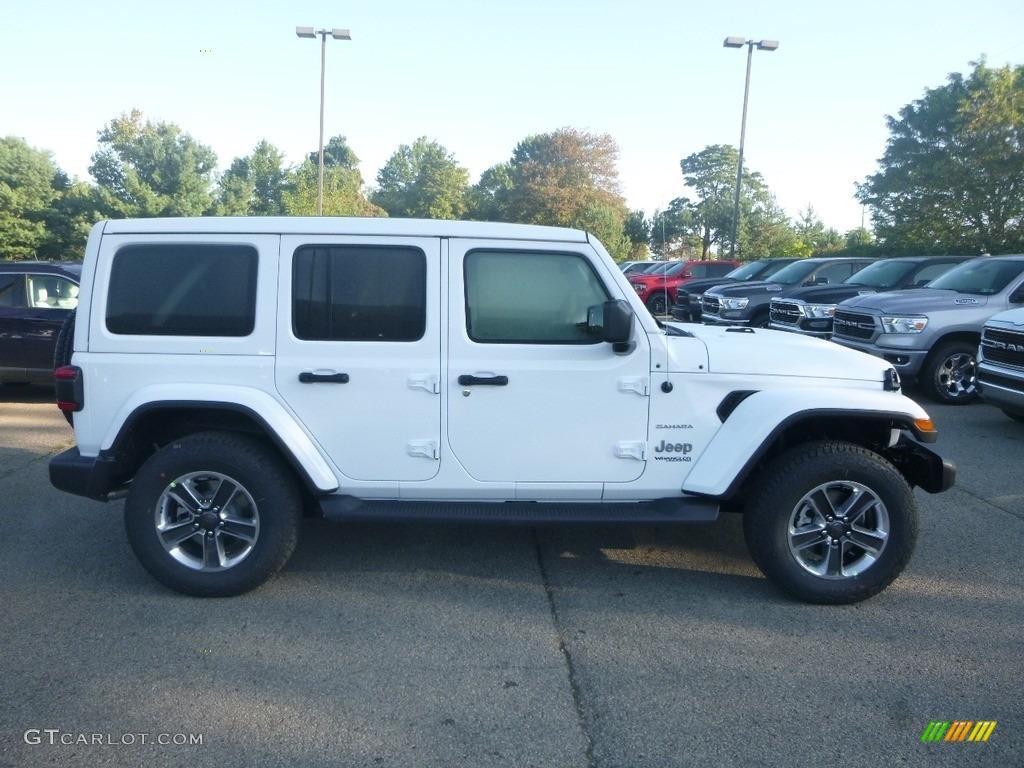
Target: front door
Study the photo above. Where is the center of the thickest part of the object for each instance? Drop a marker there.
(532, 396)
(358, 351)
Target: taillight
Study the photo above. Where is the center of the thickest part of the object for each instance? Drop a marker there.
(70, 393)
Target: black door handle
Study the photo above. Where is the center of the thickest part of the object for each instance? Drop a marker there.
(331, 378)
(467, 380)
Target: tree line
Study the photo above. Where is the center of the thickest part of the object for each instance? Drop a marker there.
(950, 181)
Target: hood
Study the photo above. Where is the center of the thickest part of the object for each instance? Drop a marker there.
(754, 288)
(706, 283)
(916, 301)
(763, 352)
(828, 294)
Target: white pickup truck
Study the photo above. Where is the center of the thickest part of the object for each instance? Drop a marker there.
(228, 375)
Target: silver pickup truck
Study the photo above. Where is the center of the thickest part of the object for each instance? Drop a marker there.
(931, 335)
(1001, 363)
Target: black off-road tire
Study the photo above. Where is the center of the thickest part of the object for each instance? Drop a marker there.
(795, 528)
(950, 373)
(192, 536)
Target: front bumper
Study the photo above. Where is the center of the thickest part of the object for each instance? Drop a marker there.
(907, 362)
(1001, 388)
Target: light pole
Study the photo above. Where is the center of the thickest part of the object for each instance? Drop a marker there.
(337, 34)
(762, 45)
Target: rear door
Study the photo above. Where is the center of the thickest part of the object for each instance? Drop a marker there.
(12, 323)
(358, 351)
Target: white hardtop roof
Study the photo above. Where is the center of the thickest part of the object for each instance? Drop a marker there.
(341, 225)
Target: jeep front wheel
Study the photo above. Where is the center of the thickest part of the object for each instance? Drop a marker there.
(831, 522)
(213, 514)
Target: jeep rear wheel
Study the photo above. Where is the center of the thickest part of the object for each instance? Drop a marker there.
(213, 514)
(950, 373)
(831, 522)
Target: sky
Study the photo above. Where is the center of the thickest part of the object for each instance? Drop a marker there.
(479, 76)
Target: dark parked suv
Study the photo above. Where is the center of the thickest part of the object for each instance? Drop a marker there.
(748, 303)
(810, 310)
(35, 298)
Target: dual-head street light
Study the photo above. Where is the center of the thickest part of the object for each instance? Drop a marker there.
(761, 45)
(337, 34)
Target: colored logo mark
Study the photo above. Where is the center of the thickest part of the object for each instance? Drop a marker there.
(958, 730)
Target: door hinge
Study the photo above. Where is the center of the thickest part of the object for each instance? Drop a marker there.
(426, 381)
(428, 449)
(640, 385)
(631, 449)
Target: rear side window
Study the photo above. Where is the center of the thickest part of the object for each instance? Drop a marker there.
(12, 290)
(359, 293)
(183, 289)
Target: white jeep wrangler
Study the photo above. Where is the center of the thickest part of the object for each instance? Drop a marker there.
(229, 375)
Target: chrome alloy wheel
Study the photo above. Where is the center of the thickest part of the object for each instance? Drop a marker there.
(207, 521)
(956, 376)
(838, 530)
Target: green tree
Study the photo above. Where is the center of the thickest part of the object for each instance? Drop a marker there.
(951, 177)
(422, 180)
(69, 218)
(253, 185)
(153, 169)
(27, 189)
(566, 178)
(637, 231)
(343, 184)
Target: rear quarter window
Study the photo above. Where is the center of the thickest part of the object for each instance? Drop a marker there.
(187, 289)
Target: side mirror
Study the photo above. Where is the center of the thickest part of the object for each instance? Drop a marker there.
(617, 325)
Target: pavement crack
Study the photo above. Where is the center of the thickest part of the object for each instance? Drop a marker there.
(563, 647)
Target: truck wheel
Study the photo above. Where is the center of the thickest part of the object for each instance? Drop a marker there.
(950, 373)
(657, 304)
(760, 320)
(213, 514)
(831, 522)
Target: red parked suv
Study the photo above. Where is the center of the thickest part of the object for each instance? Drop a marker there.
(658, 291)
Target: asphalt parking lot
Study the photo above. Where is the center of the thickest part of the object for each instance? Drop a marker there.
(597, 647)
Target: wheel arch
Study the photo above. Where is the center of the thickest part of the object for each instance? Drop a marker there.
(151, 425)
(742, 447)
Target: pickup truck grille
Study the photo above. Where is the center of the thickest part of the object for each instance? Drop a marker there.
(852, 325)
(1003, 347)
(785, 313)
(709, 305)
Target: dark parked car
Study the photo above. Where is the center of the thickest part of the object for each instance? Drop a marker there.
(35, 299)
(747, 304)
(687, 306)
(810, 310)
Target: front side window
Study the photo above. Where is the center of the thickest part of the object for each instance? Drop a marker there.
(183, 289)
(524, 297)
(359, 293)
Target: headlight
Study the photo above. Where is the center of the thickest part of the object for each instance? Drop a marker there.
(819, 311)
(914, 324)
(727, 303)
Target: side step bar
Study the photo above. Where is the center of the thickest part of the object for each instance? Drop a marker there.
(691, 509)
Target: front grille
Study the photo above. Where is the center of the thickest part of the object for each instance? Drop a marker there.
(785, 313)
(852, 325)
(1003, 347)
(710, 305)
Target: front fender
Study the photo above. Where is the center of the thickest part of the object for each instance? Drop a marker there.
(752, 427)
(282, 426)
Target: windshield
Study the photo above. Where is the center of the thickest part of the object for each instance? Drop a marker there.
(658, 267)
(882, 274)
(982, 277)
(793, 273)
(747, 271)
